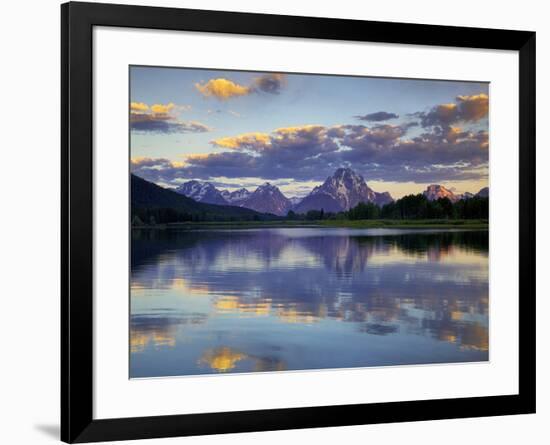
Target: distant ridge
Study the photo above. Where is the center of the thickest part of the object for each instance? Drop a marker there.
(437, 191)
(147, 197)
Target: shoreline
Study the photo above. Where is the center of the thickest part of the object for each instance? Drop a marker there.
(355, 224)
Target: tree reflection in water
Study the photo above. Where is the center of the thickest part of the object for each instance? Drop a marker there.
(275, 299)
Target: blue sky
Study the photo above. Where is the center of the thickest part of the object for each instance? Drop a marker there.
(244, 128)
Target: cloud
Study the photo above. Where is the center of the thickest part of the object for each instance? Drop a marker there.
(473, 108)
(225, 161)
(151, 124)
(250, 141)
(271, 83)
(157, 109)
(146, 162)
(357, 136)
(287, 146)
(224, 89)
(382, 152)
(139, 107)
(159, 170)
(162, 109)
(162, 119)
(378, 116)
(464, 109)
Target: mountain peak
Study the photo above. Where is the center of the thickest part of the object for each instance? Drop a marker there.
(437, 187)
(267, 185)
(201, 192)
(436, 191)
(235, 197)
(342, 170)
(342, 191)
(483, 193)
(346, 172)
(267, 198)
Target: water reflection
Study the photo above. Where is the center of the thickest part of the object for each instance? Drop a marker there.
(225, 359)
(274, 299)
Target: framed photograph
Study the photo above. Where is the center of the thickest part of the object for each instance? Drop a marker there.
(275, 222)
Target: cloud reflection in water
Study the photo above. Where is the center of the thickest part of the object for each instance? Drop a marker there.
(309, 297)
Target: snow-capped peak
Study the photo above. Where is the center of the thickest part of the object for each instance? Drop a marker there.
(201, 192)
(235, 197)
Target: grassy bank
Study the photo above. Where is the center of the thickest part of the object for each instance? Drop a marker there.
(357, 224)
(411, 224)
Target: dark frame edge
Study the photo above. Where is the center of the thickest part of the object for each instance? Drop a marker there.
(245, 23)
(76, 224)
(77, 423)
(64, 335)
(299, 418)
(527, 223)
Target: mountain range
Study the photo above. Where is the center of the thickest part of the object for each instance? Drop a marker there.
(341, 191)
(436, 191)
(148, 198)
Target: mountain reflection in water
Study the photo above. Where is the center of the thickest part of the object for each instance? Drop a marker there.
(216, 301)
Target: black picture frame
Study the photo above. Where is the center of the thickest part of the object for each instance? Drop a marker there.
(77, 22)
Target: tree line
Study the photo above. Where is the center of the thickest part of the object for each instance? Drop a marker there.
(167, 215)
(408, 207)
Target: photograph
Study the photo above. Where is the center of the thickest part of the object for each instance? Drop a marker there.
(262, 222)
(295, 221)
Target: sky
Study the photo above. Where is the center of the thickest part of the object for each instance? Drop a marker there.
(241, 129)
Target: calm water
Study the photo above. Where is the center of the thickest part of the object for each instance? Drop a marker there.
(221, 301)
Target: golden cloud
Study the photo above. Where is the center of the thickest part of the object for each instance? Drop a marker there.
(446, 111)
(483, 138)
(138, 160)
(195, 156)
(139, 107)
(311, 128)
(222, 89)
(453, 133)
(466, 109)
(142, 111)
(248, 140)
(474, 108)
(285, 136)
(162, 119)
(162, 109)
